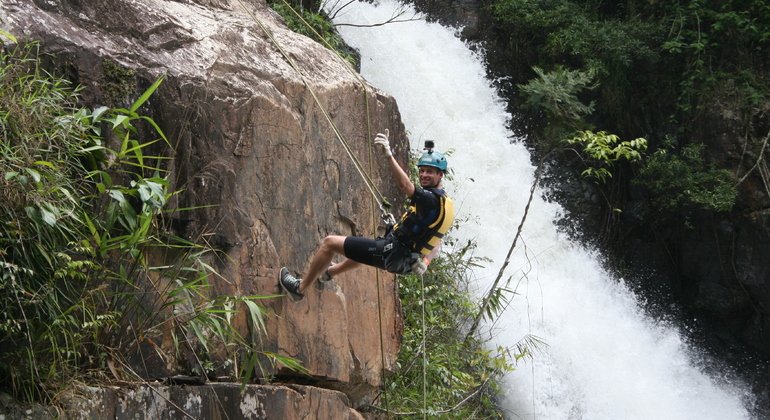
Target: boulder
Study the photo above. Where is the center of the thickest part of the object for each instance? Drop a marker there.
(212, 401)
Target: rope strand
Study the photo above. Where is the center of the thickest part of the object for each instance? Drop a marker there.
(359, 167)
(382, 202)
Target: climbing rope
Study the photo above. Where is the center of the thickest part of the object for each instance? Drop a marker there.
(380, 200)
(424, 352)
(383, 203)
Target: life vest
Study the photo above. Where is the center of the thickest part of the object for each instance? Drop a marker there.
(422, 235)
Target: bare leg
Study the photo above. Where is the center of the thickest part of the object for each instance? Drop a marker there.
(332, 244)
(343, 266)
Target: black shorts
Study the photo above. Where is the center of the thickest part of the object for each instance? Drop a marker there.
(386, 253)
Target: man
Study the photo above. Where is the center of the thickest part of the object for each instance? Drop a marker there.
(406, 248)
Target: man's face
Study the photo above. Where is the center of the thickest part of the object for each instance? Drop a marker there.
(430, 176)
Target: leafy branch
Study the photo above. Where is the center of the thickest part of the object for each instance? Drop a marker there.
(605, 149)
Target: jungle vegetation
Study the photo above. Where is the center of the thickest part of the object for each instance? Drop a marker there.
(91, 274)
(639, 69)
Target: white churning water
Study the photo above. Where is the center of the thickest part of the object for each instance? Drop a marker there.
(605, 359)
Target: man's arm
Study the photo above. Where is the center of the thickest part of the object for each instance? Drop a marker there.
(401, 178)
(399, 175)
(433, 252)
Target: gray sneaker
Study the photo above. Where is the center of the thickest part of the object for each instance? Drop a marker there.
(290, 285)
(326, 276)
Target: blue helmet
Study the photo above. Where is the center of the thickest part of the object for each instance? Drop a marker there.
(431, 158)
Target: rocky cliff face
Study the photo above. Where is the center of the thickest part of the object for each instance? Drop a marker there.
(250, 141)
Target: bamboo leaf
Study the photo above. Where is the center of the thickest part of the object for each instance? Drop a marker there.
(253, 361)
(257, 320)
(157, 128)
(44, 163)
(119, 120)
(9, 36)
(97, 113)
(146, 95)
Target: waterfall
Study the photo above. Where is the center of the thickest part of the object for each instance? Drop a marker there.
(604, 358)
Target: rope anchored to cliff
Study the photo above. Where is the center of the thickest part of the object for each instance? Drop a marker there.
(383, 203)
(379, 198)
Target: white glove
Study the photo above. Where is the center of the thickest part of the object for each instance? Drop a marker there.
(419, 267)
(382, 141)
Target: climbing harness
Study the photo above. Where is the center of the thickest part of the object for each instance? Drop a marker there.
(422, 237)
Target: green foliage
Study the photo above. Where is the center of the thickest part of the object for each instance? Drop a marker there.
(604, 44)
(90, 274)
(658, 65)
(712, 42)
(433, 351)
(604, 150)
(36, 193)
(556, 92)
(682, 181)
(577, 32)
(645, 52)
(46, 306)
(315, 25)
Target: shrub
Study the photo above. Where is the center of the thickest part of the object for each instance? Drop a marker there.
(90, 275)
(556, 93)
(314, 25)
(604, 150)
(682, 181)
(438, 371)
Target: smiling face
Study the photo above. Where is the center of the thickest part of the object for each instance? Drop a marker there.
(430, 176)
